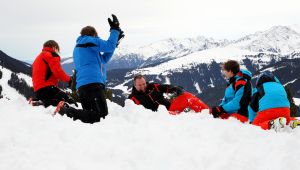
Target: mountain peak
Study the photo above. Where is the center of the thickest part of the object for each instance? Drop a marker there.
(278, 39)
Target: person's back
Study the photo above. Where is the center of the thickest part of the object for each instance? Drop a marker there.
(90, 64)
(90, 57)
(273, 96)
(46, 72)
(46, 69)
(269, 102)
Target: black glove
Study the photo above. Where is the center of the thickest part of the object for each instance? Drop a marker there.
(217, 111)
(121, 36)
(114, 24)
(72, 101)
(178, 90)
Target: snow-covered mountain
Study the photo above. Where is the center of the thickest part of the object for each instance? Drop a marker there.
(194, 63)
(155, 53)
(278, 39)
(199, 72)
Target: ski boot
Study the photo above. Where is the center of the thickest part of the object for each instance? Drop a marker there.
(294, 123)
(277, 124)
(58, 107)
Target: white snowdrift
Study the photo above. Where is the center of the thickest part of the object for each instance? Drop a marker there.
(135, 138)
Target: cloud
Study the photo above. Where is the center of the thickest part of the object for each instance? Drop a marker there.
(25, 25)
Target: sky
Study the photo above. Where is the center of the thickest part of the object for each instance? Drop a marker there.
(26, 25)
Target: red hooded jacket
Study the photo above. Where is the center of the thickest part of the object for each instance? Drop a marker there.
(46, 70)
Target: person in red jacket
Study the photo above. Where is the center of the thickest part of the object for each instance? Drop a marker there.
(151, 95)
(46, 72)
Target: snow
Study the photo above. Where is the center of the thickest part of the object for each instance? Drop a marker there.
(297, 101)
(132, 137)
(67, 60)
(272, 69)
(198, 88)
(27, 78)
(207, 56)
(168, 81)
(284, 39)
(172, 46)
(122, 86)
(136, 138)
(290, 82)
(7, 91)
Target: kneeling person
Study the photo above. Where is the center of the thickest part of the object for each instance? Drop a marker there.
(46, 72)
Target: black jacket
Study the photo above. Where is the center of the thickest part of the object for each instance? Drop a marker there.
(153, 97)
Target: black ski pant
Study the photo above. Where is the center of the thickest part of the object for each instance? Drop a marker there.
(51, 95)
(93, 101)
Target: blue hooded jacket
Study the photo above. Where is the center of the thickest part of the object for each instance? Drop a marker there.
(238, 94)
(90, 57)
(269, 93)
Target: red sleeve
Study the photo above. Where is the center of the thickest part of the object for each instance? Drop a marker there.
(239, 84)
(135, 100)
(54, 63)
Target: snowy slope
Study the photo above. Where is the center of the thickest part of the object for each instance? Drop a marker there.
(135, 138)
(297, 101)
(7, 91)
(207, 56)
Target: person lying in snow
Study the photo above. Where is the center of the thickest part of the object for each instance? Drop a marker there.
(46, 72)
(270, 107)
(237, 94)
(151, 95)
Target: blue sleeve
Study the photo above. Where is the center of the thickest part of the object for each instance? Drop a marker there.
(106, 57)
(109, 45)
(234, 104)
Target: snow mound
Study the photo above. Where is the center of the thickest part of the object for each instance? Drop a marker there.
(135, 138)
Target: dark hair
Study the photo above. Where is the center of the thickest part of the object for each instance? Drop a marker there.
(52, 44)
(89, 31)
(232, 65)
(138, 76)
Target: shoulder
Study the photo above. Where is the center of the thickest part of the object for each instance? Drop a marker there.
(239, 83)
(49, 56)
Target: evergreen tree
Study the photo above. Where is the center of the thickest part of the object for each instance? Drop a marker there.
(20, 85)
(1, 92)
(0, 74)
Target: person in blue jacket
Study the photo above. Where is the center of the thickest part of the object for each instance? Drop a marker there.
(269, 107)
(237, 94)
(91, 55)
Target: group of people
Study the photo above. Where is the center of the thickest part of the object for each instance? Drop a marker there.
(90, 57)
(266, 105)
